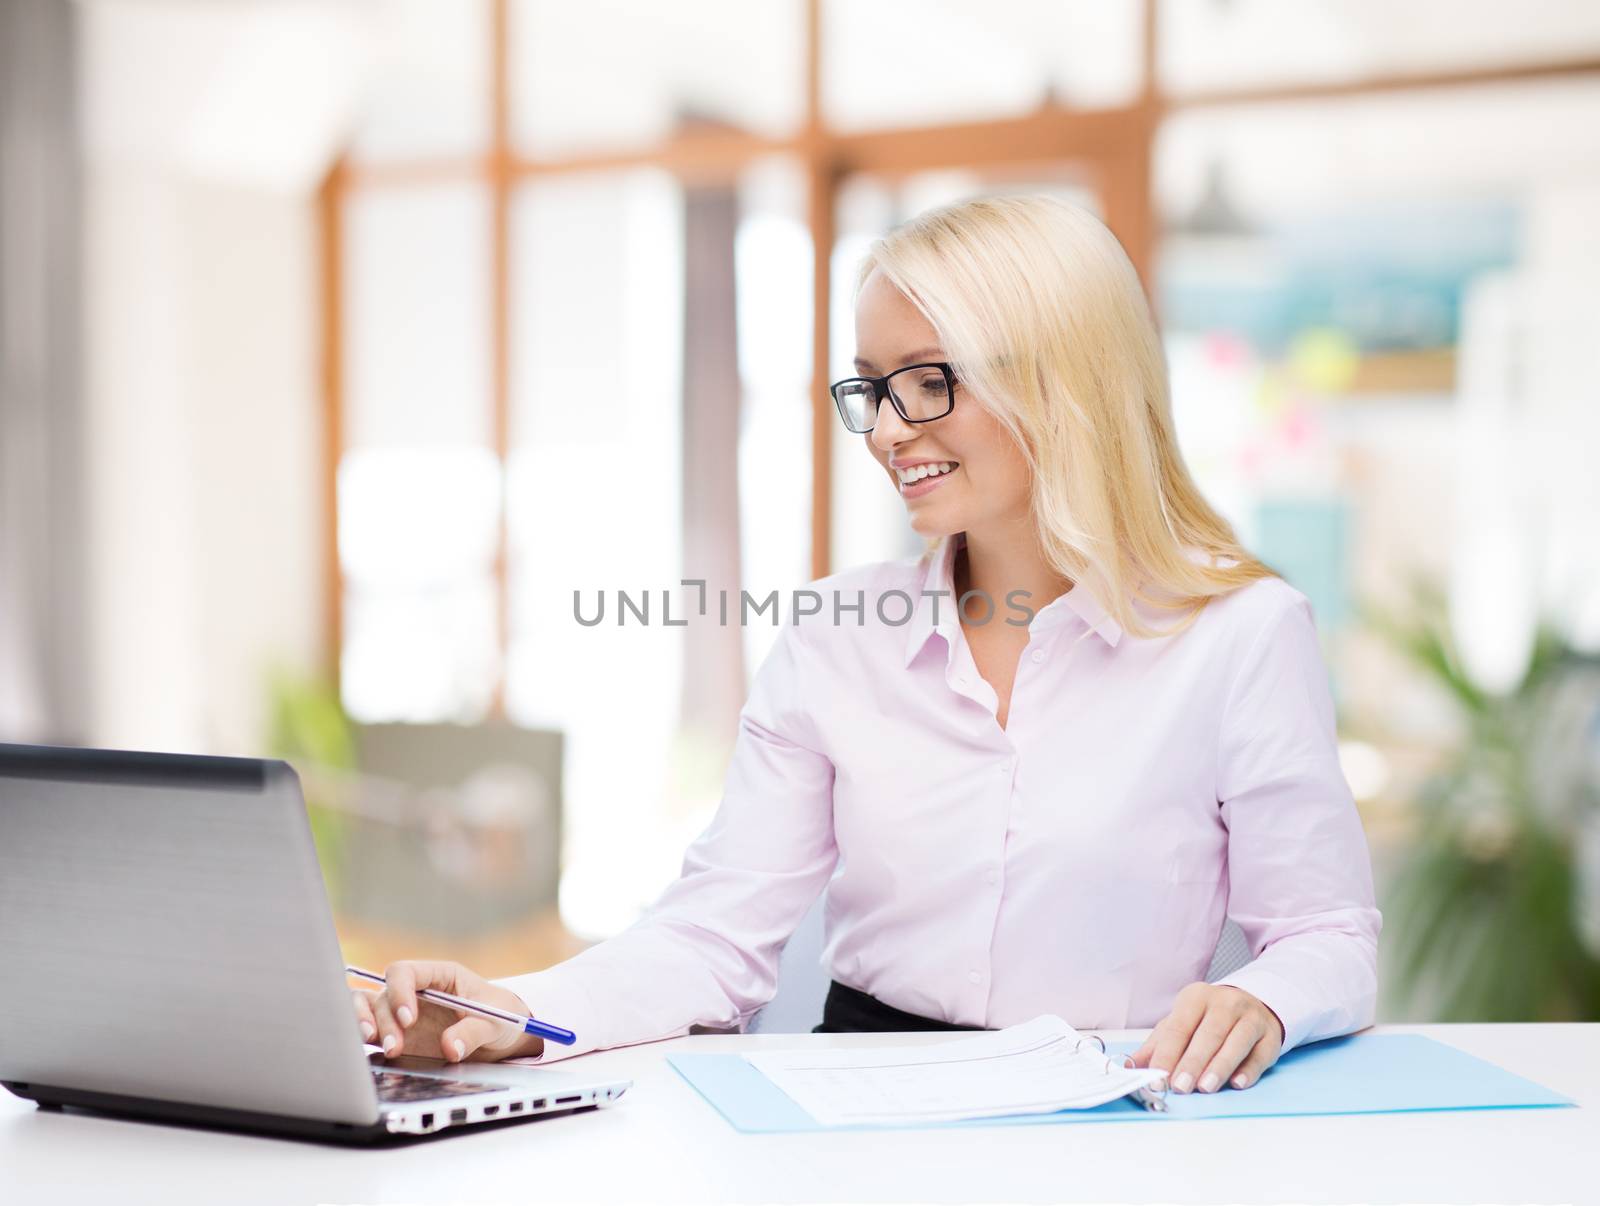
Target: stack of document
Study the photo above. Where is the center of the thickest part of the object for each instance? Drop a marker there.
(1037, 1067)
(970, 1082)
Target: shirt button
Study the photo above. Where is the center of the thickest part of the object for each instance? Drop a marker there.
(974, 975)
(993, 877)
(961, 680)
(1005, 768)
(1038, 655)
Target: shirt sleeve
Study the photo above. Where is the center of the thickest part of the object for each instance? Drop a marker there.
(1300, 875)
(706, 953)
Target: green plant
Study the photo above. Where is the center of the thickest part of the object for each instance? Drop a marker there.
(1483, 909)
(308, 728)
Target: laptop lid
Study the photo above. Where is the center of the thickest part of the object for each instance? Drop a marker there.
(166, 934)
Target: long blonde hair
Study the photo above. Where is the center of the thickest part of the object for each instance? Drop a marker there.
(1044, 319)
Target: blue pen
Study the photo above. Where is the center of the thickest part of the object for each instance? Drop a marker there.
(523, 1023)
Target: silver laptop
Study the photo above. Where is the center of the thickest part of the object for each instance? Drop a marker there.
(169, 952)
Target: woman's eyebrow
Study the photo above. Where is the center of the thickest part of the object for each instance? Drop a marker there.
(913, 358)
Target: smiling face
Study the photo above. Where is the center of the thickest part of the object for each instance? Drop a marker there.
(986, 484)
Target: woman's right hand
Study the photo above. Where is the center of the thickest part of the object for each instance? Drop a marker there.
(401, 1023)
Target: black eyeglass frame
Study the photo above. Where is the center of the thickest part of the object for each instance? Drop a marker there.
(880, 387)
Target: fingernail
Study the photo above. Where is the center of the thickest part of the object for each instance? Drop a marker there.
(459, 1048)
(1209, 1083)
(404, 1014)
(1240, 1081)
(368, 1031)
(1183, 1082)
(388, 1044)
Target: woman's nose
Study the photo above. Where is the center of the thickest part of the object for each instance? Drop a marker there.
(889, 429)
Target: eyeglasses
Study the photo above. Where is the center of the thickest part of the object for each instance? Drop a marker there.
(919, 392)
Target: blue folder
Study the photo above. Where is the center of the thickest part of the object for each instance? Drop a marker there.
(1357, 1074)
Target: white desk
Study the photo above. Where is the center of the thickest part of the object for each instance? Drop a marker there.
(663, 1142)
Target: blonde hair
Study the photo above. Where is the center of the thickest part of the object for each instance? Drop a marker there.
(1043, 317)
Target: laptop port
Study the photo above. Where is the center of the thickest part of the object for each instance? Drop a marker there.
(568, 1100)
(514, 1108)
(490, 1111)
(458, 1115)
(427, 1122)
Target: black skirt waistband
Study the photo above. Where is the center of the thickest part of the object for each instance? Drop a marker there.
(849, 1010)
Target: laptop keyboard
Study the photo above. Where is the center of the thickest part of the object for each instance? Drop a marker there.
(403, 1086)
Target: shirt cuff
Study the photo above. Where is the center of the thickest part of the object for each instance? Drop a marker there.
(558, 995)
(1279, 995)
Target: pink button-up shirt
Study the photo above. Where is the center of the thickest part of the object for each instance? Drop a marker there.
(1079, 861)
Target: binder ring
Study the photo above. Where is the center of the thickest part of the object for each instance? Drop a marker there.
(1152, 1097)
(1077, 1045)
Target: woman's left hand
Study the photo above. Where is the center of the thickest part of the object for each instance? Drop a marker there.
(1216, 1034)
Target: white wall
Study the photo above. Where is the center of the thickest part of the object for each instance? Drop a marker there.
(204, 455)
(203, 414)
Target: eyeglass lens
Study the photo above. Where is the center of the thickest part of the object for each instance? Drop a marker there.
(923, 393)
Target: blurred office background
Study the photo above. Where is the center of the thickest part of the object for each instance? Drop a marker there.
(344, 341)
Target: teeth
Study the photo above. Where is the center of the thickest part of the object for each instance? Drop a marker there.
(917, 472)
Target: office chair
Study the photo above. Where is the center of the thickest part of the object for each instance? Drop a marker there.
(454, 830)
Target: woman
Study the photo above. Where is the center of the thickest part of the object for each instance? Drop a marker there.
(1051, 807)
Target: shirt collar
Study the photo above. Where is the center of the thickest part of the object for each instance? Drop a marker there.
(940, 575)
